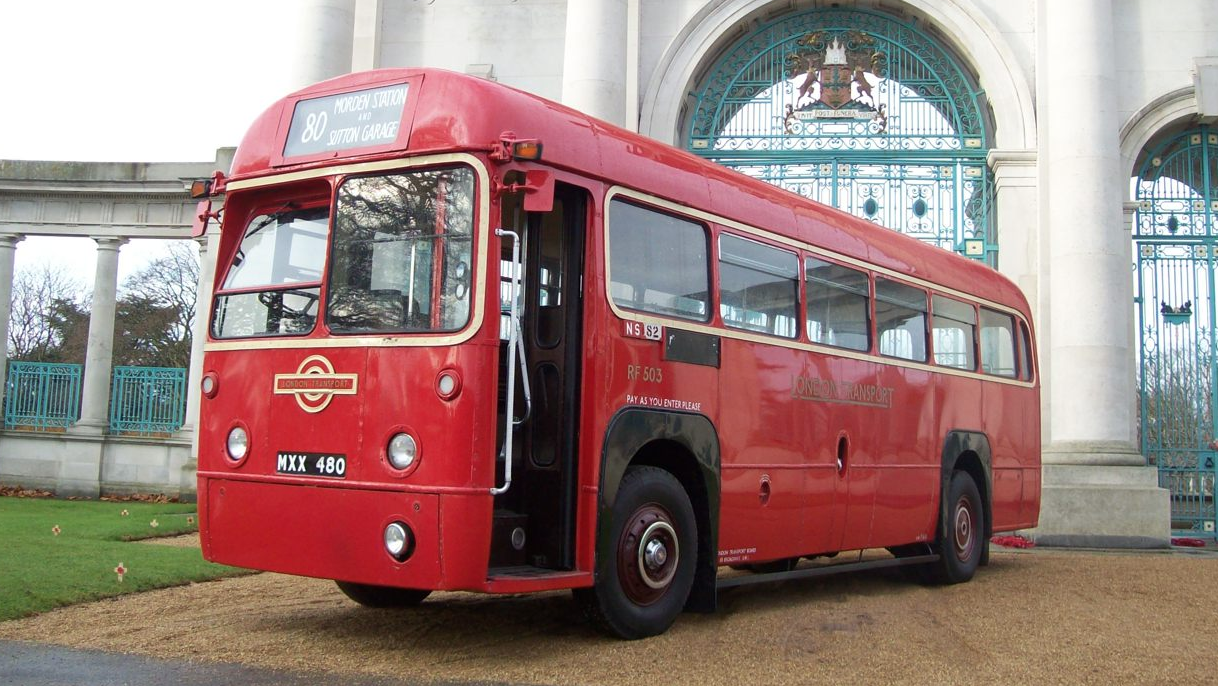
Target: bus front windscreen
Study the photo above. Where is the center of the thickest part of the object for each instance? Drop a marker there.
(277, 273)
(402, 255)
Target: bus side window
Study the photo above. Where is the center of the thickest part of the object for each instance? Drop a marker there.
(758, 287)
(1025, 352)
(657, 262)
(954, 324)
(900, 319)
(838, 305)
(997, 343)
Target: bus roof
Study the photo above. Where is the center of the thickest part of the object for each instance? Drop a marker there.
(447, 111)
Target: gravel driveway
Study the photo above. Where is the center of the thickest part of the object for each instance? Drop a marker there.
(1037, 617)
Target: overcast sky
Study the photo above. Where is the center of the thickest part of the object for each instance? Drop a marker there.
(129, 81)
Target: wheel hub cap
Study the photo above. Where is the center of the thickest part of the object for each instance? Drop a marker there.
(654, 566)
(964, 530)
(648, 555)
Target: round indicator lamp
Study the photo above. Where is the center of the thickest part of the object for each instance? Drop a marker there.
(210, 384)
(448, 384)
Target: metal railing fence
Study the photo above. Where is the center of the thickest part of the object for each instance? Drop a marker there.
(147, 400)
(42, 396)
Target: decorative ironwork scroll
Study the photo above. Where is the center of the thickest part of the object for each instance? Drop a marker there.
(859, 110)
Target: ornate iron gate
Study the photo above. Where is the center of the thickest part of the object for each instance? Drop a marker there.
(859, 110)
(1175, 238)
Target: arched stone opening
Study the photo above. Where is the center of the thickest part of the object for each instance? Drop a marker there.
(946, 178)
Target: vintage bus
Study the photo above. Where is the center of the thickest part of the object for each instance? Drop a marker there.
(466, 338)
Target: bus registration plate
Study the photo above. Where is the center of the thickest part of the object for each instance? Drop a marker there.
(311, 464)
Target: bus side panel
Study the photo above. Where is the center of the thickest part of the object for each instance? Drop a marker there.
(1030, 505)
(1006, 425)
(959, 401)
(907, 449)
(863, 429)
(816, 424)
(763, 474)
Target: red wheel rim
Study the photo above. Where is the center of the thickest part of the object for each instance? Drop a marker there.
(964, 526)
(647, 554)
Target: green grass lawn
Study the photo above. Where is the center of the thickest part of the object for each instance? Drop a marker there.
(41, 570)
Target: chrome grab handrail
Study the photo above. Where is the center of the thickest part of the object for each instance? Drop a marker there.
(513, 341)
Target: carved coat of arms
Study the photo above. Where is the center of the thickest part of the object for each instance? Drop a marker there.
(831, 76)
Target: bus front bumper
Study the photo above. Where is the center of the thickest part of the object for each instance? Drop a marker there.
(338, 532)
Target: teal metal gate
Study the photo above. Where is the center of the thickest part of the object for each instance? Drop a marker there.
(147, 401)
(1175, 238)
(42, 396)
(859, 110)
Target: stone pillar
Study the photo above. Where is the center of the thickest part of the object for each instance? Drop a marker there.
(8, 252)
(207, 271)
(1016, 209)
(1015, 186)
(1096, 487)
(99, 358)
(634, 42)
(594, 59)
(366, 43)
(80, 469)
(319, 35)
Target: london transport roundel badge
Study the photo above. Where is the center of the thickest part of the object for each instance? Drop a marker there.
(315, 384)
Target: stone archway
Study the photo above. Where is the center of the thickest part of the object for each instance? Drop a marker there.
(1011, 159)
(973, 35)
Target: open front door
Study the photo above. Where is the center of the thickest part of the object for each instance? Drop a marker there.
(535, 518)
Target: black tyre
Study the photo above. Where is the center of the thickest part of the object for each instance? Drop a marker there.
(960, 540)
(646, 567)
(382, 596)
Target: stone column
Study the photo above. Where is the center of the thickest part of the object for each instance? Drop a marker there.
(99, 358)
(8, 252)
(319, 35)
(1096, 487)
(207, 271)
(1015, 186)
(594, 59)
(366, 43)
(80, 468)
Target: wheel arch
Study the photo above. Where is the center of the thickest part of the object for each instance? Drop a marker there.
(969, 451)
(685, 445)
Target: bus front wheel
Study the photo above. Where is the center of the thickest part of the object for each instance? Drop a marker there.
(960, 541)
(382, 596)
(648, 562)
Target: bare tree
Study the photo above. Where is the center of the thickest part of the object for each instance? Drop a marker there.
(39, 293)
(170, 281)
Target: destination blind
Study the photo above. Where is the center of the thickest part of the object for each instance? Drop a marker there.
(358, 119)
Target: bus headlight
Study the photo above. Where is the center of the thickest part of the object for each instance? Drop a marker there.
(238, 444)
(402, 451)
(399, 543)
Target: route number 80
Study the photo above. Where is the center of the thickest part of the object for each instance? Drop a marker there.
(315, 127)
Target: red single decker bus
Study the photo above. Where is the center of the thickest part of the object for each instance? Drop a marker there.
(466, 338)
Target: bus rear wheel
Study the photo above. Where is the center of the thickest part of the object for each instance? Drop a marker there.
(648, 560)
(959, 542)
(382, 596)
